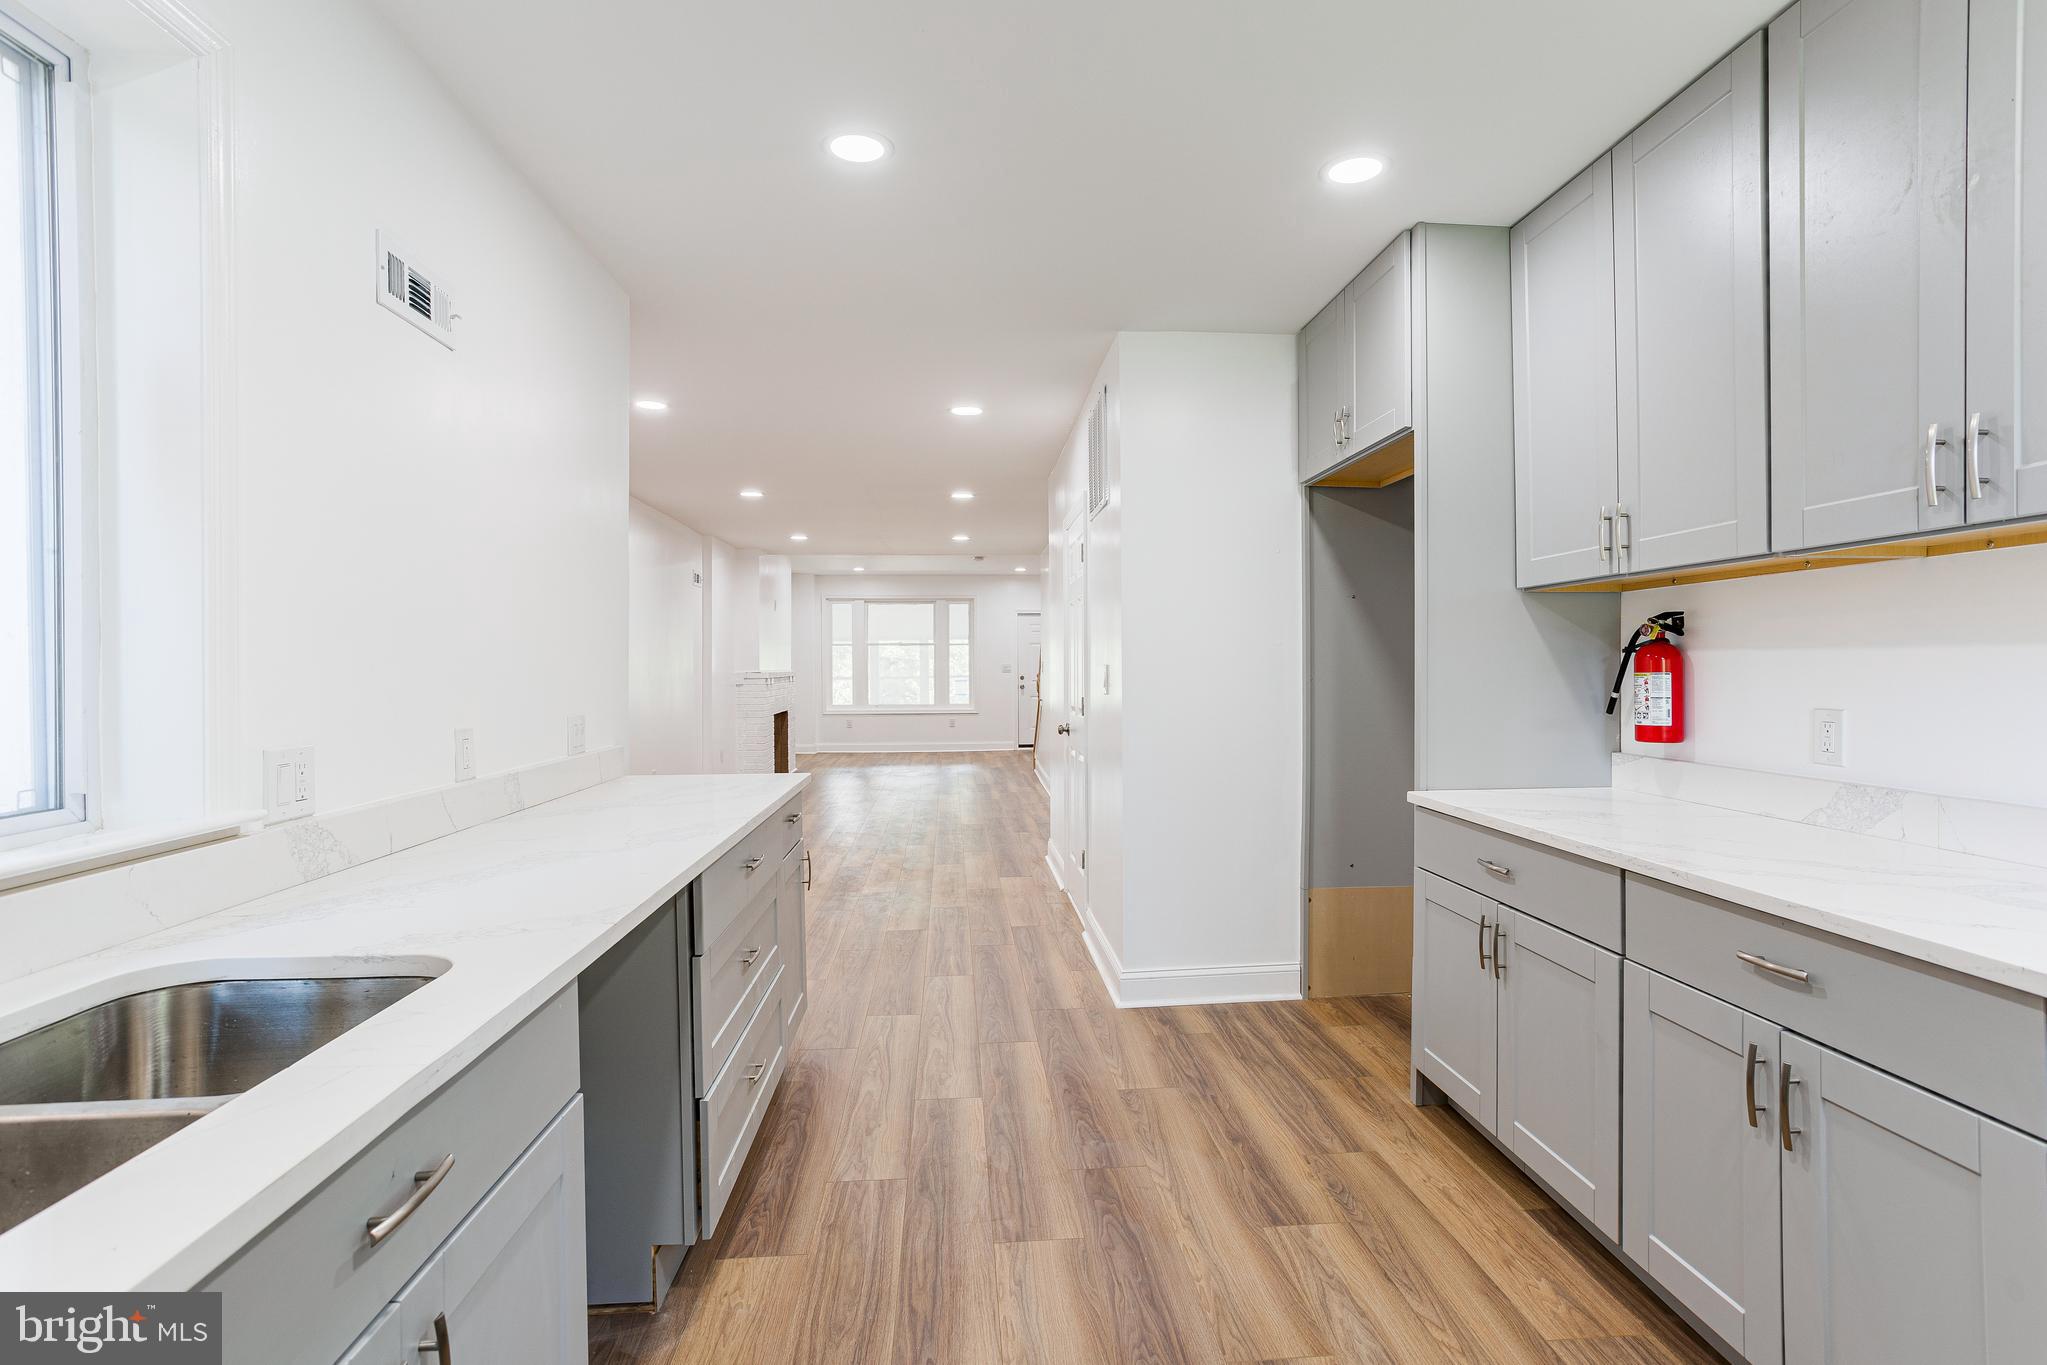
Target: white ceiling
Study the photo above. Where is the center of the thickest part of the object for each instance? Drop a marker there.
(1063, 169)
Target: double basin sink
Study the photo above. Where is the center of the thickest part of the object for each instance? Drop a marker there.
(82, 1095)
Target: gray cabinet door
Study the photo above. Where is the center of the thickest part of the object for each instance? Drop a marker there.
(380, 1343)
(1699, 1159)
(1692, 313)
(1456, 1003)
(795, 881)
(2005, 427)
(1381, 323)
(1327, 377)
(1566, 468)
(1867, 100)
(1914, 1230)
(1560, 1063)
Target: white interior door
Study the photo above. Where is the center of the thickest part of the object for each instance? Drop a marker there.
(1073, 723)
(1030, 644)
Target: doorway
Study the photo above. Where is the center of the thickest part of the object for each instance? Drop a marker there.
(1030, 653)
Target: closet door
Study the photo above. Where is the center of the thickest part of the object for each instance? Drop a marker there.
(1565, 470)
(1327, 381)
(1560, 1063)
(1456, 1005)
(1699, 1159)
(1914, 1230)
(1867, 102)
(1692, 311)
(2005, 427)
(1381, 322)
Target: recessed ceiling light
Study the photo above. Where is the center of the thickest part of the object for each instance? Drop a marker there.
(651, 404)
(799, 536)
(859, 568)
(1021, 569)
(962, 495)
(961, 539)
(1352, 170)
(861, 147)
(966, 410)
(751, 493)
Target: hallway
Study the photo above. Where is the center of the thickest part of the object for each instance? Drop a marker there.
(975, 1157)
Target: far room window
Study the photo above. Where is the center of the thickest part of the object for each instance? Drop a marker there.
(899, 655)
(39, 768)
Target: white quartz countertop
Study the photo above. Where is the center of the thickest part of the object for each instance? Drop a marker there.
(505, 914)
(1978, 916)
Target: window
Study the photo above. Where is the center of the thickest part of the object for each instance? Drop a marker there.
(35, 541)
(888, 655)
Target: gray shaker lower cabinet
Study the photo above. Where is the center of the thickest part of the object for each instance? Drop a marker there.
(1560, 1063)
(1699, 1159)
(795, 882)
(1914, 1230)
(1456, 1008)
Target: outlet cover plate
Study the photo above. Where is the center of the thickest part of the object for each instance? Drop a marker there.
(1829, 735)
(576, 734)
(465, 755)
(287, 784)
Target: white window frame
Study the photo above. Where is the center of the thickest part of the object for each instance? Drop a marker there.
(941, 645)
(74, 695)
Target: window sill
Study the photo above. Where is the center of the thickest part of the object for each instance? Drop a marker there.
(902, 710)
(88, 852)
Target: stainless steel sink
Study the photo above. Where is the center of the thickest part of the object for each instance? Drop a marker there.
(82, 1095)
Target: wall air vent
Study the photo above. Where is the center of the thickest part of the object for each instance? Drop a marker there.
(1098, 454)
(408, 288)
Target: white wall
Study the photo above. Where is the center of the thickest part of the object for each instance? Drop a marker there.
(1937, 662)
(665, 635)
(1193, 881)
(734, 634)
(991, 725)
(402, 540)
(777, 615)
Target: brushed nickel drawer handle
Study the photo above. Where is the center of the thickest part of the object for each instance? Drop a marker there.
(424, 1184)
(752, 865)
(760, 1069)
(1483, 964)
(1774, 968)
(1785, 1080)
(1499, 942)
(746, 958)
(806, 869)
(439, 1344)
(1497, 869)
(1753, 1107)
(792, 819)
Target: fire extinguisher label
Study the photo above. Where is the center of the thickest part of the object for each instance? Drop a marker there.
(1652, 699)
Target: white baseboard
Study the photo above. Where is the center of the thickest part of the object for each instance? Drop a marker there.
(956, 746)
(1223, 985)
(1043, 785)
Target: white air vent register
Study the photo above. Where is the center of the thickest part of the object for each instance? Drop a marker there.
(415, 292)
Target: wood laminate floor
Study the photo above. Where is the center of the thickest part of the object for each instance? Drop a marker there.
(975, 1157)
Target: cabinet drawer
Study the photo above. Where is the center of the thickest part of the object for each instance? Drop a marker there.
(1980, 1044)
(729, 1115)
(1580, 897)
(789, 820)
(484, 1119)
(727, 889)
(730, 978)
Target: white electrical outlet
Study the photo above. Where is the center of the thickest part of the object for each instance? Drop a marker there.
(575, 734)
(465, 755)
(1829, 735)
(287, 783)
(951, 723)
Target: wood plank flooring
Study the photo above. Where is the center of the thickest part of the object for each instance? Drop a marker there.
(975, 1159)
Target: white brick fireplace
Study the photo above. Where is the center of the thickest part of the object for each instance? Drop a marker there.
(757, 736)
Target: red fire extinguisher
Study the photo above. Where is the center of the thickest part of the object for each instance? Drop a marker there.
(1658, 691)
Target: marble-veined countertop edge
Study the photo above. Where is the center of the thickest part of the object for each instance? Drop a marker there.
(1981, 917)
(506, 915)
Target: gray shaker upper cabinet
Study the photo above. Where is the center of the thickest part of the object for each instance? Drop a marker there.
(1381, 325)
(2005, 426)
(1565, 461)
(1692, 314)
(1867, 105)
(1328, 387)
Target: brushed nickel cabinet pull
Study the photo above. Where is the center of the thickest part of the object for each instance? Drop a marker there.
(1934, 441)
(1785, 1080)
(1497, 869)
(1973, 475)
(424, 1183)
(792, 819)
(746, 958)
(1482, 963)
(751, 865)
(439, 1344)
(1774, 968)
(760, 1069)
(1754, 1108)
(1499, 939)
(806, 869)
